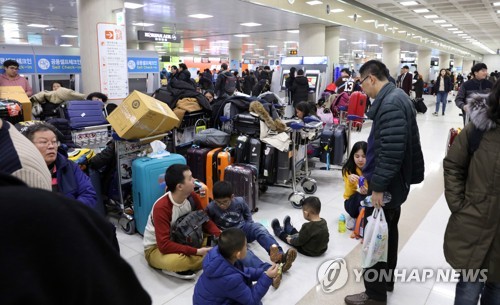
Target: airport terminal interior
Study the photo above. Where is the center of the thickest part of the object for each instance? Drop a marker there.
(59, 41)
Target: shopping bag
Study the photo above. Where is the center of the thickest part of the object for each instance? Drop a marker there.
(375, 239)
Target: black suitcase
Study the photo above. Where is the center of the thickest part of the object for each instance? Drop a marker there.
(420, 105)
(11, 111)
(241, 153)
(269, 168)
(247, 124)
(243, 178)
(283, 167)
(197, 161)
(254, 153)
(333, 144)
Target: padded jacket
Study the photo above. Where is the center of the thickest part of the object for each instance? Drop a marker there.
(399, 161)
(469, 87)
(223, 283)
(300, 90)
(448, 86)
(472, 236)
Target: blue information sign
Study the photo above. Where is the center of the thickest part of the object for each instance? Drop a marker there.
(143, 65)
(26, 62)
(58, 64)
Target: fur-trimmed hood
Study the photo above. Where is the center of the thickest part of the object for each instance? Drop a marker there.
(478, 111)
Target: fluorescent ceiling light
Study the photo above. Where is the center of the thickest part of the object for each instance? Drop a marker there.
(315, 2)
(498, 12)
(401, 32)
(431, 16)
(447, 25)
(352, 16)
(336, 10)
(132, 5)
(161, 52)
(342, 39)
(249, 44)
(272, 46)
(69, 36)
(242, 35)
(372, 45)
(496, 4)
(440, 21)
(290, 41)
(200, 16)
(250, 24)
(409, 3)
(356, 42)
(452, 29)
(142, 24)
(293, 31)
(198, 39)
(421, 10)
(35, 25)
(258, 49)
(458, 32)
(222, 41)
(65, 45)
(369, 20)
(249, 52)
(357, 50)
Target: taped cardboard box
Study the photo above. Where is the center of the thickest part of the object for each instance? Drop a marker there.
(17, 93)
(140, 116)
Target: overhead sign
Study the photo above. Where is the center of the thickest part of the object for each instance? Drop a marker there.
(158, 36)
(143, 65)
(26, 62)
(112, 60)
(58, 64)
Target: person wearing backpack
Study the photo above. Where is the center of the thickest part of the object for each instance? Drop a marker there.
(472, 236)
(300, 88)
(161, 252)
(226, 82)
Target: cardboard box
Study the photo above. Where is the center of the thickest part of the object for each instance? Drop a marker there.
(140, 116)
(17, 93)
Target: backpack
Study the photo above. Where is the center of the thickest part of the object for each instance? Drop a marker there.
(341, 101)
(228, 83)
(187, 230)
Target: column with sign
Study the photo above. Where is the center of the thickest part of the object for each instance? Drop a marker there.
(113, 60)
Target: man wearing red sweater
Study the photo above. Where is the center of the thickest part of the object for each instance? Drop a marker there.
(12, 77)
(160, 251)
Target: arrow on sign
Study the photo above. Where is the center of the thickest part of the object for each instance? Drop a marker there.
(108, 34)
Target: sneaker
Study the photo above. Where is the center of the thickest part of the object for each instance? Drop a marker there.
(362, 299)
(275, 224)
(185, 275)
(350, 223)
(275, 255)
(277, 280)
(443, 113)
(288, 259)
(435, 114)
(287, 225)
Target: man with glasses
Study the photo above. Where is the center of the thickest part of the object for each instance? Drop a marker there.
(394, 160)
(11, 77)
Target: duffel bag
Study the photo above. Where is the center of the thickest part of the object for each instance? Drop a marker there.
(211, 137)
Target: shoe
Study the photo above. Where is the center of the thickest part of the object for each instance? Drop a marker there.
(185, 275)
(275, 255)
(288, 259)
(275, 224)
(435, 114)
(277, 280)
(287, 225)
(362, 299)
(443, 113)
(350, 223)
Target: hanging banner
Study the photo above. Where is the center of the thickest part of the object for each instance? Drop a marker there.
(58, 64)
(26, 62)
(112, 60)
(143, 65)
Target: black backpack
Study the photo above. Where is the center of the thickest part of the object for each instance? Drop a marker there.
(228, 82)
(187, 230)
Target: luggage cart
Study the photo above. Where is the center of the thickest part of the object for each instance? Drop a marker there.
(93, 137)
(183, 136)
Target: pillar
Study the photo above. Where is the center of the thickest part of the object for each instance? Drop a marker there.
(132, 45)
(459, 62)
(147, 46)
(90, 13)
(424, 64)
(332, 50)
(467, 66)
(391, 57)
(444, 61)
(235, 59)
(312, 39)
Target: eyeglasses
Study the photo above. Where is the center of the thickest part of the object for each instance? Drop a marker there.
(46, 143)
(364, 79)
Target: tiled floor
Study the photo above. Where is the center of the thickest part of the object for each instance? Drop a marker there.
(424, 217)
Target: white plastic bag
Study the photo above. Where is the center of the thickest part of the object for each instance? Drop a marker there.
(375, 241)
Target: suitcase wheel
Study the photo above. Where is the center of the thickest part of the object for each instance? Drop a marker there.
(296, 199)
(263, 188)
(309, 186)
(127, 223)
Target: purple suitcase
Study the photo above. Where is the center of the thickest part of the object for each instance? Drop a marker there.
(243, 177)
(197, 161)
(82, 114)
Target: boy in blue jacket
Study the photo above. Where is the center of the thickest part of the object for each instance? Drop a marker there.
(225, 280)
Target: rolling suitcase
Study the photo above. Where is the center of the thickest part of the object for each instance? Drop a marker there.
(247, 124)
(269, 168)
(357, 107)
(212, 169)
(255, 148)
(340, 144)
(243, 177)
(84, 113)
(148, 180)
(283, 167)
(201, 191)
(11, 111)
(241, 154)
(197, 161)
(224, 159)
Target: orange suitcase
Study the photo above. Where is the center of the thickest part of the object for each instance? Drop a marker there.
(212, 170)
(202, 192)
(224, 160)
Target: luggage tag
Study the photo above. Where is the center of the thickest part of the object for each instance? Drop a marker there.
(198, 128)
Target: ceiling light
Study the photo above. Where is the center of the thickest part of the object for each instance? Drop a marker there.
(293, 31)
(250, 24)
(409, 3)
(452, 29)
(401, 32)
(69, 36)
(290, 41)
(142, 24)
(462, 34)
(258, 49)
(440, 21)
(249, 44)
(336, 10)
(447, 25)
(65, 45)
(431, 16)
(132, 5)
(357, 50)
(249, 52)
(421, 10)
(242, 35)
(369, 21)
(200, 16)
(272, 46)
(222, 41)
(342, 39)
(35, 25)
(496, 4)
(161, 52)
(198, 39)
(372, 45)
(498, 12)
(356, 42)
(315, 2)
(357, 16)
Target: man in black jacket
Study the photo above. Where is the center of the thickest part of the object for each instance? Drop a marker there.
(300, 88)
(478, 84)
(394, 160)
